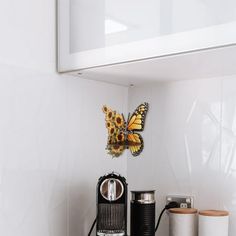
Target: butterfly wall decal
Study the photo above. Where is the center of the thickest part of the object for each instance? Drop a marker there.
(123, 135)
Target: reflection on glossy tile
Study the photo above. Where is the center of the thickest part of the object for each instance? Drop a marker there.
(228, 161)
(49, 166)
(47, 157)
(191, 143)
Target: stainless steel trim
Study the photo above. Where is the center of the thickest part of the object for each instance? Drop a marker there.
(110, 189)
(110, 234)
(143, 202)
(143, 197)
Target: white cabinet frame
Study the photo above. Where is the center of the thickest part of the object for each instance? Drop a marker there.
(205, 38)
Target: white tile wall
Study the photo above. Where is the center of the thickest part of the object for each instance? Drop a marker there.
(52, 129)
(228, 155)
(88, 157)
(189, 143)
(52, 151)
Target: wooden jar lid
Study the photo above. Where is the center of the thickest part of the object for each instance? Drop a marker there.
(183, 210)
(213, 213)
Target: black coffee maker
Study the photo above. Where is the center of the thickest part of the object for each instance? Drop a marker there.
(112, 205)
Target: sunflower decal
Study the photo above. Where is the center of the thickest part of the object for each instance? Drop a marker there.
(123, 135)
(119, 120)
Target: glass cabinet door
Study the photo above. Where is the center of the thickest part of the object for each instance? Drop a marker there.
(100, 32)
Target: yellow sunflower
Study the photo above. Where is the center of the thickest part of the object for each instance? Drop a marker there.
(120, 137)
(110, 115)
(112, 130)
(108, 125)
(119, 120)
(111, 140)
(116, 150)
(105, 109)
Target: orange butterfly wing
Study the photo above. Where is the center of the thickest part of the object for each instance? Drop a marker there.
(137, 120)
(136, 123)
(135, 142)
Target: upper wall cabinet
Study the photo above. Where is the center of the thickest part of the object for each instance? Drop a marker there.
(97, 33)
